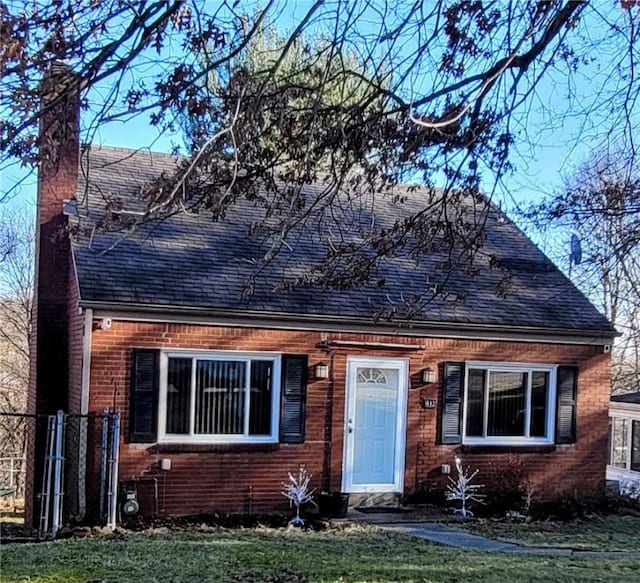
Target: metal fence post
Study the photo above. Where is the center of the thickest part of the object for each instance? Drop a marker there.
(12, 484)
(47, 476)
(57, 476)
(113, 470)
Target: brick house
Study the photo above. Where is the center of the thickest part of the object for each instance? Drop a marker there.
(237, 389)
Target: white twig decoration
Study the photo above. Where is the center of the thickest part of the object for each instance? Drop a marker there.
(297, 491)
(461, 488)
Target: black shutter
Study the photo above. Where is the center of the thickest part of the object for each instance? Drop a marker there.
(143, 396)
(452, 393)
(293, 398)
(566, 404)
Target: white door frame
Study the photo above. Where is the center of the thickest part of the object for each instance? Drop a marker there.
(402, 366)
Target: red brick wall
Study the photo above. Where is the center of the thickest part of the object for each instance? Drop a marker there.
(229, 478)
(578, 468)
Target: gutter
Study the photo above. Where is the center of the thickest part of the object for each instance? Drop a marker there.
(345, 324)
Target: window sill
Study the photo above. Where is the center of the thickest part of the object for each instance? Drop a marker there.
(495, 448)
(213, 447)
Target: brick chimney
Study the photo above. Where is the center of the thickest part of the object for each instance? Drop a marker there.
(57, 181)
(59, 146)
(59, 140)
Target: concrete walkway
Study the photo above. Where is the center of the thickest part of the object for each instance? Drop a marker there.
(445, 535)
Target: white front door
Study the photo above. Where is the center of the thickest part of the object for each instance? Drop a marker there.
(375, 425)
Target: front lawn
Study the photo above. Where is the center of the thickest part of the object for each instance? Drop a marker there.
(285, 556)
(599, 533)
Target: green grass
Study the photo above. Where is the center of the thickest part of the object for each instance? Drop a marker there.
(279, 556)
(606, 533)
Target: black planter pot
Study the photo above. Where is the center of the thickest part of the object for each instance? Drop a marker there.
(333, 504)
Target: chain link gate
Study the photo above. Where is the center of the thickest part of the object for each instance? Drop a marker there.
(80, 471)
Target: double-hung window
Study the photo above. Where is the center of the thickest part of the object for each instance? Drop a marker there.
(509, 404)
(219, 397)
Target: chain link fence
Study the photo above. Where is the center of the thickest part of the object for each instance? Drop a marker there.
(58, 470)
(14, 432)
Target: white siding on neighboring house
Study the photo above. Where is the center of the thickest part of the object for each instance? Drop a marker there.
(623, 464)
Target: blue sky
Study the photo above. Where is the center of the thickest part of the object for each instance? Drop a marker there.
(549, 143)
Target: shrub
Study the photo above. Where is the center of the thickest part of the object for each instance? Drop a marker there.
(574, 505)
(508, 488)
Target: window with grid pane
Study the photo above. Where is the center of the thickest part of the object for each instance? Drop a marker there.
(220, 397)
(618, 440)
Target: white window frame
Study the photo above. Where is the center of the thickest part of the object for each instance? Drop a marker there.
(512, 367)
(165, 355)
(629, 418)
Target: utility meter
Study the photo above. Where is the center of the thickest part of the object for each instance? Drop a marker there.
(130, 507)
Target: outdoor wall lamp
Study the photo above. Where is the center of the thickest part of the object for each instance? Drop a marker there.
(321, 371)
(428, 376)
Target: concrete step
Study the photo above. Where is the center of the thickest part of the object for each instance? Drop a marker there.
(368, 500)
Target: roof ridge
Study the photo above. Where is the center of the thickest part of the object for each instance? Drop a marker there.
(405, 188)
(143, 150)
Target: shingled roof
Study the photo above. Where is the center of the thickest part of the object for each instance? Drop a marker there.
(189, 262)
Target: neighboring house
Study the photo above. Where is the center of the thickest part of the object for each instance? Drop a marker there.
(238, 389)
(623, 465)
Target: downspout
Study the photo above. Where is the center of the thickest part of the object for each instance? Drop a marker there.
(84, 410)
(328, 425)
(86, 360)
